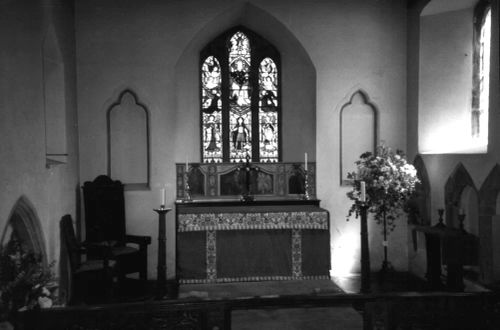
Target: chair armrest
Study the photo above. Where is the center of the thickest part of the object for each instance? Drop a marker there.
(141, 240)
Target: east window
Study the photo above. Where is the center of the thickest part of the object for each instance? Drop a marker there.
(240, 94)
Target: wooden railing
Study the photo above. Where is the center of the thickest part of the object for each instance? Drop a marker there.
(439, 310)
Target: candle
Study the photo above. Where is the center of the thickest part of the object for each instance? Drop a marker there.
(363, 191)
(187, 165)
(163, 197)
(305, 161)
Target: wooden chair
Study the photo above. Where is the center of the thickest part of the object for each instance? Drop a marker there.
(90, 278)
(105, 223)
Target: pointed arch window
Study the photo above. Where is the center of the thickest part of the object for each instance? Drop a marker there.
(240, 99)
(481, 70)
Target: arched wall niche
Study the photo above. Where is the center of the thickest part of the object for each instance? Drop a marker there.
(128, 141)
(357, 114)
(469, 203)
(454, 188)
(298, 83)
(489, 194)
(421, 203)
(489, 225)
(25, 225)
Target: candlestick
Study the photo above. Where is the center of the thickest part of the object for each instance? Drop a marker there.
(363, 191)
(305, 161)
(365, 251)
(161, 279)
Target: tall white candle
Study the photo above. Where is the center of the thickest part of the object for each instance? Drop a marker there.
(187, 165)
(163, 197)
(305, 161)
(363, 191)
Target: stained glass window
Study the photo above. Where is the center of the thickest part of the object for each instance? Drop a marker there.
(240, 99)
(240, 114)
(268, 113)
(211, 110)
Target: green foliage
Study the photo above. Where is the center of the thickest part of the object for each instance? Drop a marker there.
(25, 282)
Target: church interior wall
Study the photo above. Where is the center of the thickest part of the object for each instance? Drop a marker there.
(24, 174)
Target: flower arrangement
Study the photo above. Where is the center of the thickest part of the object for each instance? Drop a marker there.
(25, 282)
(389, 182)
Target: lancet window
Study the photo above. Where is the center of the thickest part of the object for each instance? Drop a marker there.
(240, 99)
(481, 70)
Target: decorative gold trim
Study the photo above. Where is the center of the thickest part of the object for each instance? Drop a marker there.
(297, 253)
(244, 221)
(211, 255)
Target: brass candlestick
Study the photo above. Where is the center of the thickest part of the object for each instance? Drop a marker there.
(461, 218)
(187, 195)
(306, 195)
(440, 223)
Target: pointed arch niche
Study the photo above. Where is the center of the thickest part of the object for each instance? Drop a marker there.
(461, 196)
(489, 225)
(357, 115)
(298, 81)
(25, 226)
(128, 141)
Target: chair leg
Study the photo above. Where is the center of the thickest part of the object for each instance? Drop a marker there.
(143, 274)
(109, 287)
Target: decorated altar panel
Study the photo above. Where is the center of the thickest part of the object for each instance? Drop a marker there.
(262, 240)
(231, 180)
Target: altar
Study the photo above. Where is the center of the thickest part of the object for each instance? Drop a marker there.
(249, 222)
(266, 240)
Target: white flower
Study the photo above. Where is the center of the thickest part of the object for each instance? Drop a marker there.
(45, 291)
(44, 302)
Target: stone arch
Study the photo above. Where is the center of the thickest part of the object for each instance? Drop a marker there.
(421, 203)
(25, 225)
(357, 114)
(454, 187)
(298, 74)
